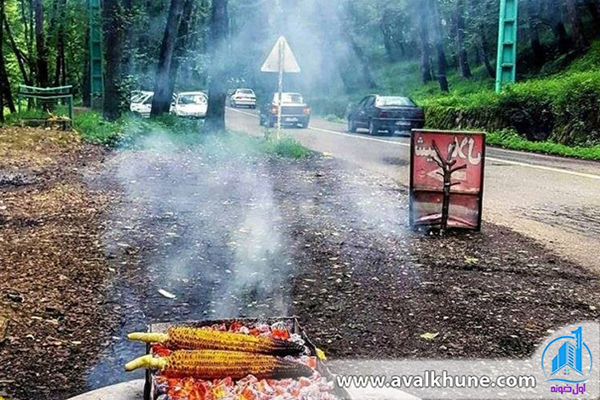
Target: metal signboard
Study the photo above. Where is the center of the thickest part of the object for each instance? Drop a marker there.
(446, 179)
(281, 59)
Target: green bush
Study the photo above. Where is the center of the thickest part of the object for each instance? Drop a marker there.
(509, 139)
(95, 129)
(285, 147)
(564, 108)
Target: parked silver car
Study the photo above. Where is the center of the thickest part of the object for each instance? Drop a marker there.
(243, 98)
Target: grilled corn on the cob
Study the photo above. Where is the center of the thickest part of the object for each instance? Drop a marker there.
(181, 337)
(217, 364)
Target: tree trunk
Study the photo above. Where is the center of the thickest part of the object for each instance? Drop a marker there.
(217, 89)
(463, 58)
(576, 26)
(162, 99)
(439, 45)
(387, 42)
(362, 59)
(127, 61)
(426, 68)
(42, 55)
(593, 7)
(181, 44)
(484, 45)
(59, 71)
(21, 59)
(561, 36)
(533, 14)
(113, 45)
(389, 38)
(5, 91)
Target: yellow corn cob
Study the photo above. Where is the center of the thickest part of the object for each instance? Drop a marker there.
(217, 364)
(196, 339)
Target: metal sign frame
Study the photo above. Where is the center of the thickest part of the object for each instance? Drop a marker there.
(414, 191)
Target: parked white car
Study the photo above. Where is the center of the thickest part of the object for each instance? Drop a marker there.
(141, 103)
(191, 105)
(243, 98)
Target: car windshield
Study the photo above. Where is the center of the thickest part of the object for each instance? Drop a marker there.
(139, 97)
(290, 98)
(394, 102)
(248, 92)
(192, 99)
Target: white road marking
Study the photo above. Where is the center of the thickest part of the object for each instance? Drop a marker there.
(509, 162)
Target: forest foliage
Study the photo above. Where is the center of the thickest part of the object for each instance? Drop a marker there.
(442, 52)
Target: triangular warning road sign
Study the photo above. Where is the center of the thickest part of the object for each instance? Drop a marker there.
(290, 64)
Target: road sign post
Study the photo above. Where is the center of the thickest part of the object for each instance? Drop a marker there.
(280, 87)
(281, 60)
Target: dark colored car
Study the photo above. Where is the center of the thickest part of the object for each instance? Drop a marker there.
(385, 113)
(294, 111)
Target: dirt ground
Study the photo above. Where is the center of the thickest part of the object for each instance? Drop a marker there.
(52, 261)
(90, 237)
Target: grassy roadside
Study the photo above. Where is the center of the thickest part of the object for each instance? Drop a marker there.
(129, 131)
(511, 140)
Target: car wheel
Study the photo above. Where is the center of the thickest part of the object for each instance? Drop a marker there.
(391, 131)
(351, 125)
(304, 125)
(373, 128)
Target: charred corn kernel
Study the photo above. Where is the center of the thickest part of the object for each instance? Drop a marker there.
(188, 338)
(218, 364)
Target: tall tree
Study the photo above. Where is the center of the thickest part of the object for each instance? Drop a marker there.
(217, 88)
(181, 44)
(442, 64)
(162, 95)
(478, 21)
(579, 38)
(5, 92)
(363, 60)
(425, 47)
(593, 7)
(40, 41)
(22, 60)
(113, 45)
(554, 19)
(60, 70)
(533, 18)
(463, 59)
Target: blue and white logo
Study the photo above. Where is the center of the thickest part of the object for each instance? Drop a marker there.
(567, 359)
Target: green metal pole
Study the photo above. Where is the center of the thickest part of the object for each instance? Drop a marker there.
(96, 58)
(506, 66)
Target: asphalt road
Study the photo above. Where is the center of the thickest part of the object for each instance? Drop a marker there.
(551, 199)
